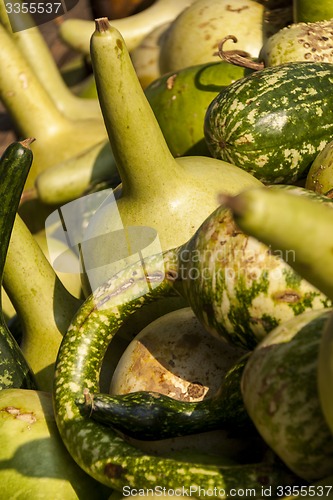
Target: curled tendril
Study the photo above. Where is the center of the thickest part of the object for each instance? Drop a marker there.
(237, 57)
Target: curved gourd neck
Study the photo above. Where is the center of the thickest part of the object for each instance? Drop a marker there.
(30, 107)
(142, 156)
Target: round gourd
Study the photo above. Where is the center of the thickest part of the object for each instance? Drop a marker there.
(194, 35)
(180, 100)
(280, 392)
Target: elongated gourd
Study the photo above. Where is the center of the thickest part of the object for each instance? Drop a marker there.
(291, 225)
(14, 167)
(33, 46)
(101, 451)
(76, 33)
(43, 304)
(34, 114)
(151, 415)
(320, 178)
(145, 164)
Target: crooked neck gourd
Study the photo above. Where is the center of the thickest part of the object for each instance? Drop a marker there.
(32, 44)
(172, 196)
(34, 114)
(76, 33)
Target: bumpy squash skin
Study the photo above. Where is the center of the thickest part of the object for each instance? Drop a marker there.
(279, 387)
(274, 122)
(101, 451)
(237, 288)
(180, 101)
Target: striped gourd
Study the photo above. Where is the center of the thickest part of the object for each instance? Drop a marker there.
(274, 122)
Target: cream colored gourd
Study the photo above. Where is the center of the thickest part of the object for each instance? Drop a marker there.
(145, 57)
(188, 365)
(172, 196)
(76, 33)
(194, 36)
(34, 114)
(33, 46)
(43, 304)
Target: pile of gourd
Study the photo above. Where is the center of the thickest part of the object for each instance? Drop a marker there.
(166, 255)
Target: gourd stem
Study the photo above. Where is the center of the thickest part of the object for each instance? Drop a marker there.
(31, 108)
(140, 150)
(237, 57)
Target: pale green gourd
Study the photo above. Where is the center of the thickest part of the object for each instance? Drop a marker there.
(172, 196)
(34, 114)
(43, 304)
(33, 46)
(76, 33)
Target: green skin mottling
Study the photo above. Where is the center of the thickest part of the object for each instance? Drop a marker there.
(149, 415)
(279, 387)
(242, 290)
(99, 450)
(273, 123)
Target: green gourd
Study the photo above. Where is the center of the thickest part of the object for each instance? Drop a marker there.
(34, 114)
(279, 387)
(33, 46)
(76, 33)
(152, 191)
(289, 224)
(308, 11)
(45, 307)
(264, 122)
(180, 100)
(34, 461)
(15, 163)
(151, 415)
(101, 451)
(319, 178)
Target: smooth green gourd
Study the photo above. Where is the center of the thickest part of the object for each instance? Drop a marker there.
(33, 46)
(15, 163)
(43, 304)
(76, 33)
(34, 113)
(152, 192)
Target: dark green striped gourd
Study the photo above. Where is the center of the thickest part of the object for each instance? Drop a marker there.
(14, 167)
(280, 390)
(151, 416)
(274, 122)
